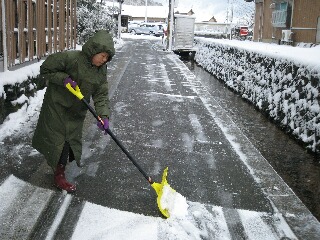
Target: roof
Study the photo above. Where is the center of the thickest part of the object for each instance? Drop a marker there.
(183, 10)
(153, 11)
(140, 11)
(184, 16)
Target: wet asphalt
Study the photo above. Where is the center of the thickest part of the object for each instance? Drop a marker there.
(165, 118)
(299, 168)
(163, 124)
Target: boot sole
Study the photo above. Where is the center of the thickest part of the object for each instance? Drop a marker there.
(70, 191)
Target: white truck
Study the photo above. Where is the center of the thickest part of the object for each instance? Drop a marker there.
(183, 33)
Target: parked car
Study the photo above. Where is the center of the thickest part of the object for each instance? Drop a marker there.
(132, 24)
(242, 33)
(155, 29)
(160, 28)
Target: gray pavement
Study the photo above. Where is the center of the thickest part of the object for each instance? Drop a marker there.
(165, 118)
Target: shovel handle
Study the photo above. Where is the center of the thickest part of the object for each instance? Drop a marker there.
(75, 91)
(79, 95)
(129, 156)
(117, 141)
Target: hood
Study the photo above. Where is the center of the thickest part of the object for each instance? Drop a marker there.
(101, 41)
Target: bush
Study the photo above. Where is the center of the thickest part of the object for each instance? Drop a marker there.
(91, 17)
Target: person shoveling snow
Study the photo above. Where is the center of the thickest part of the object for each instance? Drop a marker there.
(58, 133)
(166, 195)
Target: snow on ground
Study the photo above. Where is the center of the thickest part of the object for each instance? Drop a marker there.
(97, 222)
(142, 36)
(20, 122)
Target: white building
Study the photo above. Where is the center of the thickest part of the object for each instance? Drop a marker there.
(139, 13)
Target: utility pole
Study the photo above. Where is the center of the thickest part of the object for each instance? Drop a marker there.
(146, 13)
(228, 23)
(231, 21)
(4, 37)
(170, 25)
(119, 18)
(228, 12)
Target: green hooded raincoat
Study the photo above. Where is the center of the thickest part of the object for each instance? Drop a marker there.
(62, 114)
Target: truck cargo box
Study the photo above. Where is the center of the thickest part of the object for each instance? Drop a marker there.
(183, 34)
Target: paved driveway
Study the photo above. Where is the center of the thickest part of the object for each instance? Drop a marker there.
(165, 118)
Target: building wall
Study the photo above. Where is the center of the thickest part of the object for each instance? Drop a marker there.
(303, 23)
(149, 19)
(263, 27)
(36, 28)
(306, 14)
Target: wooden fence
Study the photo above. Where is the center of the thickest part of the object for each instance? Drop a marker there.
(32, 29)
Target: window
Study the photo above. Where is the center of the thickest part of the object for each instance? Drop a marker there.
(282, 6)
(279, 15)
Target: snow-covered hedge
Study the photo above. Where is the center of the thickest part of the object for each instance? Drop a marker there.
(16, 95)
(286, 90)
(16, 86)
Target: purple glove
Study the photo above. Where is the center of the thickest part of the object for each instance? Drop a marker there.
(69, 80)
(105, 125)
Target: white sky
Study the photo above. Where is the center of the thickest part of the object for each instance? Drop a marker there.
(205, 9)
(97, 222)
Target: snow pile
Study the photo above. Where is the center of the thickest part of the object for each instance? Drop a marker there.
(18, 76)
(173, 202)
(98, 222)
(282, 81)
(21, 100)
(23, 120)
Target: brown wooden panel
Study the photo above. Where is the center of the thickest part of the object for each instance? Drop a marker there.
(55, 25)
(306, 13)
(37, 28)
(68, 24)
(74, 23)
(49, 25)
(61, 25)
(30, 30)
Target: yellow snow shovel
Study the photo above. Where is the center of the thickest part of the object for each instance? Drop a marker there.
(158, 187)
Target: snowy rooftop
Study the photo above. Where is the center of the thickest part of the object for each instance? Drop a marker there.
(154, 11)
(140, 11)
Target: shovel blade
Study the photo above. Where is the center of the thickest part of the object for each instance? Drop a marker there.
(158, 187)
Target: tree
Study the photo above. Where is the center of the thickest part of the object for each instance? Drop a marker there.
(244, 12)
(93, 16)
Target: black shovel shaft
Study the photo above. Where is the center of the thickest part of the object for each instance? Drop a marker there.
(129, 155)
(117, 142)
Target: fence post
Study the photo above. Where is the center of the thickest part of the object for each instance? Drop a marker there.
(4, 37)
